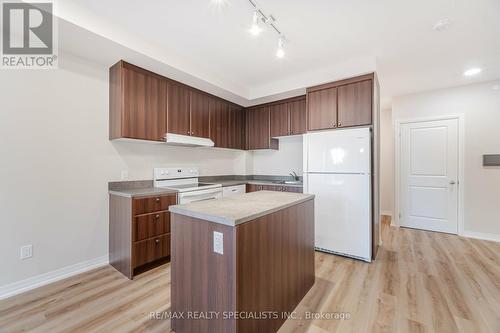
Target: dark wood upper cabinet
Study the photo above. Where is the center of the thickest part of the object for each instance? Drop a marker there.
(258, 129)
(345, 103)
(322, 109)
(137, 103)
(219, 122)
(298, 116)
(178, 108)
(200, 114)
(355, 104)
(280, 123)
(236, 136)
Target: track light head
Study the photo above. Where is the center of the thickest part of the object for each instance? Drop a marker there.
(256, 28)
(280, 52)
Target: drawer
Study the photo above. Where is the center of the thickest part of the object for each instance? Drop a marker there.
(151, 225)
(233, 190)
(151, 249)
(153, 204)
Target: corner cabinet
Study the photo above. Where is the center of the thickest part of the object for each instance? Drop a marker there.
(346, 103)
(258, 129)
(137, 103)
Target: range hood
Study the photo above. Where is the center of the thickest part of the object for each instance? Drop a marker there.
(187, 140)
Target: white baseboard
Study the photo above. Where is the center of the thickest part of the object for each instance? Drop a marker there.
(49, 277)
(386, 212)
(481, 235)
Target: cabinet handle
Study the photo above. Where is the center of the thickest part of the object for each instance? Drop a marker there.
(334, 125)
(157, 241)
(157, 200)
(157, 216)
(340, 124)
(291, 132)
(188, 133)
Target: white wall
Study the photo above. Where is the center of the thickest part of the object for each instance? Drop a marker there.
(56, 161)
(281, 162)
(480, 104)
(386, 163)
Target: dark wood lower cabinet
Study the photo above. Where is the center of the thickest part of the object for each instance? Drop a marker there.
(279, 188)
(139, 232)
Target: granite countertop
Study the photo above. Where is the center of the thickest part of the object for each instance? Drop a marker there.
(240, 208)
(139, 192)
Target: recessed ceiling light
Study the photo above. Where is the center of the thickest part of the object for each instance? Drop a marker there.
(441, 25)
(472, 71)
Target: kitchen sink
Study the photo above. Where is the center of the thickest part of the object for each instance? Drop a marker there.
(288, 182)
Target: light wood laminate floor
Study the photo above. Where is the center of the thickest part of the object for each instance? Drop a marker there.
(420, 282)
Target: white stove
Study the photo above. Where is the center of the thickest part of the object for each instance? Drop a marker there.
(185, 182)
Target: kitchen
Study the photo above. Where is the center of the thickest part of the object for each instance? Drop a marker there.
(155, 190)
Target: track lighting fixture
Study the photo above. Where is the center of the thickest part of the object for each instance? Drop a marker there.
(258, 19)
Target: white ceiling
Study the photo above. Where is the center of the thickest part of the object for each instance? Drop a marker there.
(327, 37)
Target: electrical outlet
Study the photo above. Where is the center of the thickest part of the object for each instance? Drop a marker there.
(218, 242)
(26, 251)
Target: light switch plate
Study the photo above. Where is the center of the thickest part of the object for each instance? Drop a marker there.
(26, 251)
(218, 242)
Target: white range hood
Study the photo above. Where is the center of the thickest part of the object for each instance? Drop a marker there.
(187, 140)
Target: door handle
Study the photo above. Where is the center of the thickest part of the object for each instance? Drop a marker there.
(452, 182)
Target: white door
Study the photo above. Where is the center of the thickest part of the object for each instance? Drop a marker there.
(341, 213)
(429, 175)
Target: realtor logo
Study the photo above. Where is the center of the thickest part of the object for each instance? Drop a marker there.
(28, 35)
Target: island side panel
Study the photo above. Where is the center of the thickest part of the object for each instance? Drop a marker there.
(202, 280)
(275, 264)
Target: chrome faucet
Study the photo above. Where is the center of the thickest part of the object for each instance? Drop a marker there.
(294, 175)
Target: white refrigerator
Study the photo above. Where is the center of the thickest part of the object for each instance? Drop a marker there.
(337, 170)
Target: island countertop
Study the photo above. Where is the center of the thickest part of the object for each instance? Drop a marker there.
(240, 208)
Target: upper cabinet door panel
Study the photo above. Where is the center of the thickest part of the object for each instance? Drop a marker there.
(219, 122)
(236, 127)
(178, 109)
(144, 106)
(297, 113)
(355, 104)
(322, 109)
(258, 132)
(279, 120)
(200, 114)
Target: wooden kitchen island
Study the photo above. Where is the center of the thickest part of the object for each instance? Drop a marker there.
(252, 278)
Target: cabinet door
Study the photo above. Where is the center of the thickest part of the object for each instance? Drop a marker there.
(297, 114)
(200, 114)
(295, 189)
(144, 105)
(258, 129)
(219, 122)
(178, 109)
(355, 104)
(236, 137)
(253, 188)
(279, 120)
(322, 109)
